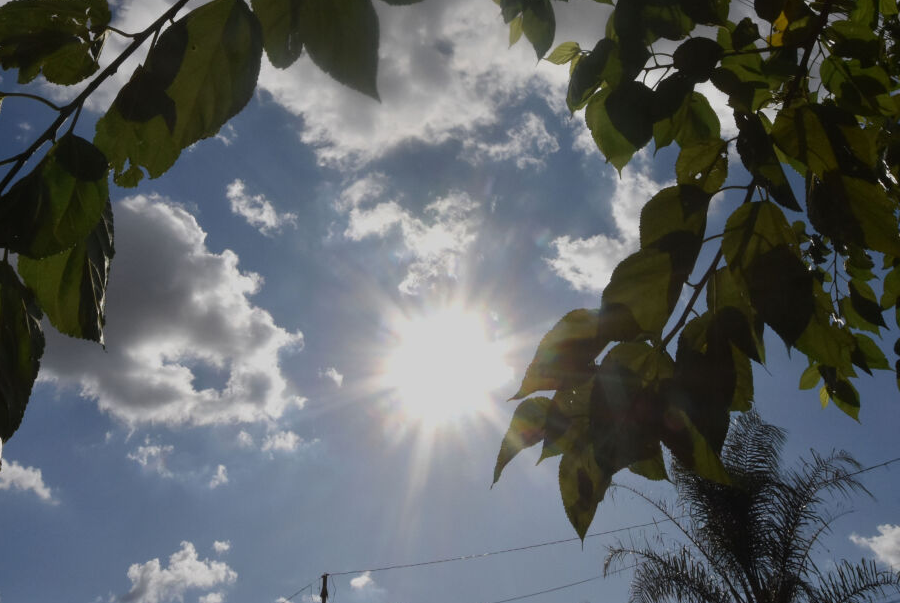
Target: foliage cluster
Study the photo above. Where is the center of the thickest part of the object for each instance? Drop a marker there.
(200, 71)
(813, 88)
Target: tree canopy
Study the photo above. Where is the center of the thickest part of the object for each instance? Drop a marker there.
(811, 248)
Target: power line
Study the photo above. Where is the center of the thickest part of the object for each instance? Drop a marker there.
(298, 592)
(501, 552)
(571, 584)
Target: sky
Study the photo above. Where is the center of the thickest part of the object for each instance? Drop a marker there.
(282, 392)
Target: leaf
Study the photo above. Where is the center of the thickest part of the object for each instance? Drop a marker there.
(589, 73)
(697, 57)
(653, 468)
(756, 151)
(617, 149)
(515, 30)
(201, 72)
(281, 30)
(526, 428)
(891, 284)
(694, 122)
(862, 298)
(630, 107)
(60, 39)
(58, 203)
(582, 484)
(691, 449)
(564, 53)
(704, 165)
(21, 348)
(71, 286)
(810, 377)
(539, 25)
(861, 90)
(565, 355)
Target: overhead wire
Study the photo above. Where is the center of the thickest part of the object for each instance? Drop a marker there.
(655, 522)
(569, 585)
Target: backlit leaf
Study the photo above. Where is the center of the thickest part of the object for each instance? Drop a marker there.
(704, 164)
(525, 429)
(71, 286)
(58, 203)
(21, 348)
(564, 53)
(589, 73)
(582, 484)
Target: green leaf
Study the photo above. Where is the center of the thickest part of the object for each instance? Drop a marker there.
(281, 30)
(692, 449)
(582, 484)
(695, 122)
(810, 377)
(567, 423)
(768, 9)
(59, 38)
(861, 90)
(565, 355)
(617, 149)
(704, 164)
(756, 151)
(526, 428)
(564, 53)
(630, 109)
(853, 210)
(589, 73)
(539, 25)
(515, 30)
(742, 76)
(201, 72)
(644, 283)
(21, 348)
(71, 286)
(729, 301)
(697, 57)
(653, 468)
(874, 357)
(891, 284)
(862, 298)
(58, 203)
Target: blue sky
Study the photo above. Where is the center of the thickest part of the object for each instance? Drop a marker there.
(239, 437)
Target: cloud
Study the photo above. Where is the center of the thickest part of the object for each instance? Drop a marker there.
(245, 440)
(445, 72)
(283, 441)
(152, 583)
(332, 374)
(212, 598)
(433, 245)
(222, 546)
(257, 210)
(886, 546)
(218, 479)
(362, 581)
(152, 457)
(528, 144)
(175, 305)
(14, 476)
(588, 263)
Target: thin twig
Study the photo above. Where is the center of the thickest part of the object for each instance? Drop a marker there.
(40, 99)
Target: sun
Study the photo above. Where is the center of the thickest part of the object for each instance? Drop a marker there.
(443, 366)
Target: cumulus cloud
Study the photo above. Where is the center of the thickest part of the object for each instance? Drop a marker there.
(433, 245)
(219, 478)
(174, 305)
(362, 581)
(14, 476)
(885, 546)
(257, 210)
(445, 72)
(332, 374)
(588, 263)
(528, 143)
(222, 546)
(212, 598)
(152, 457)
(152, 583)
(283, 441)
(245, 440)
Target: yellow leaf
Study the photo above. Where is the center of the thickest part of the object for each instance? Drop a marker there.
(778, 28)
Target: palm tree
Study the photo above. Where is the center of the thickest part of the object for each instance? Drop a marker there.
(751, 541)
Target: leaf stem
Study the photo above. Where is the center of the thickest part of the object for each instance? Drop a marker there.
(64, 112)
(124, 34)
(40, 99)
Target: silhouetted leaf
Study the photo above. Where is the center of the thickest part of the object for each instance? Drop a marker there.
(60, 39)
(617, 149)
(695, 122)
(863, 300)
(58, 203)
(21, 348)
(582, 484)
(589, 73)
(539, 25)
(630, 110)
(697, 57)
(205, 66)
(71, 286)
(525, 429)
(758, 156)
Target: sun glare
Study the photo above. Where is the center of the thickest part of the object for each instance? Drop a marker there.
(444, 366)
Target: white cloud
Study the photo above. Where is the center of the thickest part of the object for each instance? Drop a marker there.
(588, 263)
(152, 457)
(283, 441)
(528, 144)
(14, 476)
(445, 72)
(227, 135)
(257, 210)
(152, 583)
(886, 546)
(362, 581)
(212, 598)
(173, 305)
(433, 245)
(222, 546)
(245, 440)
(333, 374)
(218, 479)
